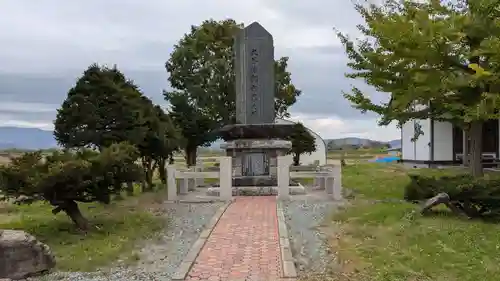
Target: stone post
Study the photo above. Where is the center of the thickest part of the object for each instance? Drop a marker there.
(225, 178)
(329, 182)
(192, 183)
(198, 180)
(171, 183)
(283, 171)
(183, 186)
(337, 183)
(320, 182)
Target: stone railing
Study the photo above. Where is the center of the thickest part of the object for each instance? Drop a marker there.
(190, 178)
(328, 178)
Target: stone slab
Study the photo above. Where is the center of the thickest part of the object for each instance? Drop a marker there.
(254, 71)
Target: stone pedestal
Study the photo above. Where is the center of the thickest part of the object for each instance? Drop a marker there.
(255, 161)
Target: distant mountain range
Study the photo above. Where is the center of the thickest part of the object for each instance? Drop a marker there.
(334, 144)
(32, 139)
(26, 138)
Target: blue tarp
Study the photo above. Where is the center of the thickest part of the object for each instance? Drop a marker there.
(387, 159)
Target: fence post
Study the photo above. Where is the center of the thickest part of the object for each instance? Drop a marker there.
(329, 181)
(183, 186)
(225, 178)
(337, 182)
(283, 172)
(171, 183)
(199, 168)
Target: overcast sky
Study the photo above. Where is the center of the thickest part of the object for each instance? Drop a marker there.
(46, 45)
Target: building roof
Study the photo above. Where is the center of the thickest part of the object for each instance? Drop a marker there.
(285, 121)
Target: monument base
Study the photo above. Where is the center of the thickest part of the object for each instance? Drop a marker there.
(257, 191)
(257, 181)
(264, 170)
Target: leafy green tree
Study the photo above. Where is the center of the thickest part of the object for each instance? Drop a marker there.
(286, 92)
(101, 109)
(195, 127)
(170, 141)
(201, 67)
(302, 142)
(65, 178)
(160, 141)
(436, 59)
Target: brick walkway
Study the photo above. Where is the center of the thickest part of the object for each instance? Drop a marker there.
(244, 244)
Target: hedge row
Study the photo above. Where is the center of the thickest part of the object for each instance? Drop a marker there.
(482, 194)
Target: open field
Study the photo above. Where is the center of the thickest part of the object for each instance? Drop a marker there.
(207, 155)
(379, 238)
(117, 227)
(360, 154)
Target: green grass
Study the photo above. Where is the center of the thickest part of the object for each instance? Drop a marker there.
(118, 226)
(392, 241)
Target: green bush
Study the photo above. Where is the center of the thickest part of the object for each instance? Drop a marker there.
(65, 178)
(423, 187)
(479, 195)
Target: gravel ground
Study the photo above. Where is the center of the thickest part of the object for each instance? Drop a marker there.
(160, 257)
(304, 218)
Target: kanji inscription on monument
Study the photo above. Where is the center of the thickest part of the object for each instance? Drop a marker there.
(254, 67)
(255, 140)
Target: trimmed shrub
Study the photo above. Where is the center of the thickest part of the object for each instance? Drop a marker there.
(423, 187)
(479, 196)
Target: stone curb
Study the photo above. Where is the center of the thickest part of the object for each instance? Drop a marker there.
(287, 262)
(189, 259)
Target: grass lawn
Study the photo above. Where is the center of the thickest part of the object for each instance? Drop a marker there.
(118, 226)
(392, 241)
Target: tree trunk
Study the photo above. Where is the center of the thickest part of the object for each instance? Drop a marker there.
(190, 156)
(476, 151)
(118, 189)
(149, 179)
(147, 164)
(161, 170)
(466, 149)
(130, 189)
(296, 159)
(71, 209)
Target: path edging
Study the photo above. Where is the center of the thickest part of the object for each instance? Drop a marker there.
(194, 251)
(287, 262)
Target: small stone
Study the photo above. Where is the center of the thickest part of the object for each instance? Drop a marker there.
(441, 198)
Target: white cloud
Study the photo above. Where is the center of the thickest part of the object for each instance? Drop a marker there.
(110, 32)
(328, 127)
(24, 124)
(29, 107)
(61, 38)
(333, 127)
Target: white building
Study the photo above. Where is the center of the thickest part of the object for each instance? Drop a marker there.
(319, 155)
(442, 143)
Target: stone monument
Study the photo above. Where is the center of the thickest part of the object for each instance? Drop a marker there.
(255, 140)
